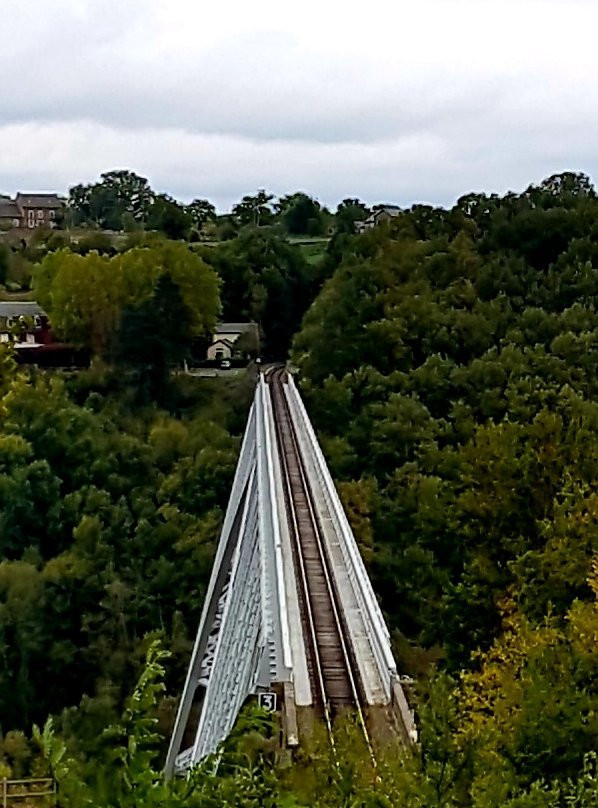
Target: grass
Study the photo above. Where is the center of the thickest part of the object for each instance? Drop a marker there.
(313, 251)
(308, 239)
(19, 296)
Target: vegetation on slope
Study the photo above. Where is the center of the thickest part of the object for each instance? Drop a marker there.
(449, 362)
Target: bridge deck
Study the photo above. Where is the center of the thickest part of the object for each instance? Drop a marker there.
(329, 658)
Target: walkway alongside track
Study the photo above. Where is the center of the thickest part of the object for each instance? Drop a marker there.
(334, 682)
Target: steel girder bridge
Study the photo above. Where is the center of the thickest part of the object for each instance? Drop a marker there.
(289, 615)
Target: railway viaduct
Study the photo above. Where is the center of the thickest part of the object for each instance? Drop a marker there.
(290, 615)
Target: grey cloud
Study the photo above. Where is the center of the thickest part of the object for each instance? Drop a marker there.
(257, 87)
(110, 66)
(416, 107)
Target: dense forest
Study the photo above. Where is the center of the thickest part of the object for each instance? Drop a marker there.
(449, 361)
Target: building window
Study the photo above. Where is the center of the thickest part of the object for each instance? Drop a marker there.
(31, 223)
(40, 214)
(52, 214)
(30, 214)
(16, 222)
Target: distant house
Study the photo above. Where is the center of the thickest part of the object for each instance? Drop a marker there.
(382, 214)
(26, 327)
(226, 336)
(221, 349)
(30, 211)
(10, 215)
(24, 324)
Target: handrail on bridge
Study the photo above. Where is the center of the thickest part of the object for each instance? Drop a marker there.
(362, 587)
(25, 789)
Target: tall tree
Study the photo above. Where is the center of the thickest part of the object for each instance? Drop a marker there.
(118, 194)
(85, 296)
(301, 215)
(267, 280)
(168, 217)
(153, 335)
(132, 192)
(254, 210)
(348, 212)
(201, 211)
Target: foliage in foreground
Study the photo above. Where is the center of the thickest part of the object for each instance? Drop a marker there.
(125, 771)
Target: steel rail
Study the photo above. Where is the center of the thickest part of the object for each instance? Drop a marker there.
(281, 407)
(292, 514)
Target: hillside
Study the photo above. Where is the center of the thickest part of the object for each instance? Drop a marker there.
(449, 361)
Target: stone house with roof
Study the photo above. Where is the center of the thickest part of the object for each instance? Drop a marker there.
(30, 211)
(10, 215)
(381, 214)
(226, 336)
(24, 324)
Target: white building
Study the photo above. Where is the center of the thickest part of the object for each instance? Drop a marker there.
(226, 336)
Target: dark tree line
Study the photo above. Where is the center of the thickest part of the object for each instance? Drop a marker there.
(122, 200)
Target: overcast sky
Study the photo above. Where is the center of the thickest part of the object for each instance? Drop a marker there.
(388, 100)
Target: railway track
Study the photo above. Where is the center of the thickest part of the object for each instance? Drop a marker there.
(335, 686)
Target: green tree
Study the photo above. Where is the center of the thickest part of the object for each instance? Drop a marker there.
(442, 359)
(300, 215)
(79, 203)
(7, 370)
(169, 217)
(266, 280)
(118, 193)
(21, 639)
(154, 335)
(201, 211)
(85, 297)
(254, 210)
(348, 212)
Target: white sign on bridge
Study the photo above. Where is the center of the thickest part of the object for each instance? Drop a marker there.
(267, 701)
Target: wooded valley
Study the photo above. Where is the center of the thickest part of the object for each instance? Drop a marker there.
(449, 361)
